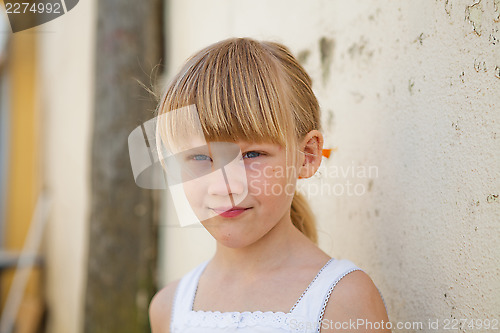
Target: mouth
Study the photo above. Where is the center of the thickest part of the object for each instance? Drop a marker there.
(230, 211)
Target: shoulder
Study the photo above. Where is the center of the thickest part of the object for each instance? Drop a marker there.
(356, 299)
(160, 308)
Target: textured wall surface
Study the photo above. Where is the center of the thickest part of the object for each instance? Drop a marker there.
(413, 89)
(410, 99)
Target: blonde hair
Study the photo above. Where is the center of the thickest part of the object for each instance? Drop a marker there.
(244, 89)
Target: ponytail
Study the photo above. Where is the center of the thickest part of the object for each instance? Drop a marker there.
(303, 218)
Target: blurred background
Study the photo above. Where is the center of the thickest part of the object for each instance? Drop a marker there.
(410, 104)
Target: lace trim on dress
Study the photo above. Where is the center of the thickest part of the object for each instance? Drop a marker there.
(323, 308)
(310, 284)
(216, 319)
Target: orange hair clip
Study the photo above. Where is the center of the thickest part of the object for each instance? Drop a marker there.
(326, 152)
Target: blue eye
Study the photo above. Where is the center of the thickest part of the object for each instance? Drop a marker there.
(200, 157)
(251, 154)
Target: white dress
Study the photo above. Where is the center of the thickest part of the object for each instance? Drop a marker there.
(305, 316)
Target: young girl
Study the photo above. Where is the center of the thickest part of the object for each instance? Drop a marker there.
(268, 274)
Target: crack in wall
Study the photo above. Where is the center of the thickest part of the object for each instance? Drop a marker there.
(473, 14)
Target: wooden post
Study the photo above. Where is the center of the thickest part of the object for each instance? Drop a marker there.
(123, 221)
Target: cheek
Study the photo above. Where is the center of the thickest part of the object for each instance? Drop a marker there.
(194, 190)
(269, 181)
(258, 178)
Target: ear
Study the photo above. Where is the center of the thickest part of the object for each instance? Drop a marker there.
(312, 147)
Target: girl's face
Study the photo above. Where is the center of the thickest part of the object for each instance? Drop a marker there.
(239, 202)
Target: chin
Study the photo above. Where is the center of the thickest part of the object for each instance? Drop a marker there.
(233, 243)
(234, 239)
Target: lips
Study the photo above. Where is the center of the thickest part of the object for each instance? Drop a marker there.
(230, 211)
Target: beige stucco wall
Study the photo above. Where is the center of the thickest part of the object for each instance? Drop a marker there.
(409, 92)
(66, 51)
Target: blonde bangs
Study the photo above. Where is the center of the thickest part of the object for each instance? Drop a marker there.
(239, 91)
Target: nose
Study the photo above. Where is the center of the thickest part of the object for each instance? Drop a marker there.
(230, 179)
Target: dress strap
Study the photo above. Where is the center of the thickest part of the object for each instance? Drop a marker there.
(185, 294)
(312, 304)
